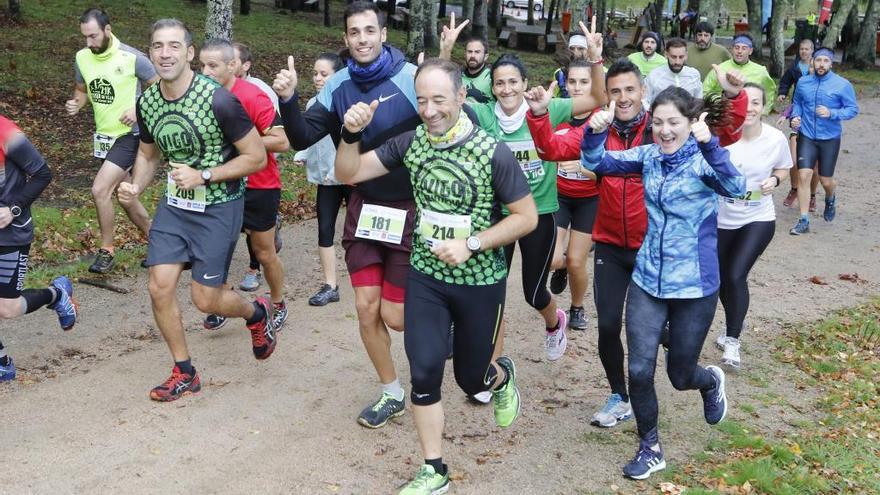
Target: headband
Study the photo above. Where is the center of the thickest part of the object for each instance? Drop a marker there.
(824, 52)
(577, 40)
(743, 40)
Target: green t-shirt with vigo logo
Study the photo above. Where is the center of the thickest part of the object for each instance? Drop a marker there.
(458, 192)
(198, 129)
(540, 175)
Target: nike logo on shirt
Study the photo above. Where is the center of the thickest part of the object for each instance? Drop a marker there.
(383, 99)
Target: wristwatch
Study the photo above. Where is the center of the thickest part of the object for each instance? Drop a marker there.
(474, 244)
(15, 210)
(206, 176)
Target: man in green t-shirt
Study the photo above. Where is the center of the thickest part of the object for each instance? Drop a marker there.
(460, 176)
(210, 144)
(751, 72)
(477, 73)
(648, 57)
(110, 75)
(703, 52)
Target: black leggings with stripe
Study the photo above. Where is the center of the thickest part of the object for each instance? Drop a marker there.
(537, 253)
(738, 249)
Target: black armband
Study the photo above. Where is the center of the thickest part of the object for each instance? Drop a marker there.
(351, 137)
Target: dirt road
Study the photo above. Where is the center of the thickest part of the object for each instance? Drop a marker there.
(78, 418)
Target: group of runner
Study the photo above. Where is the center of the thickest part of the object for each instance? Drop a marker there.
(443, 171)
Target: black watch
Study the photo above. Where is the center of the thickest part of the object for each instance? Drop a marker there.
(15, 210)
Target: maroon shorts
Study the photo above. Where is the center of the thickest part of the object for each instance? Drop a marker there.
(388, 263)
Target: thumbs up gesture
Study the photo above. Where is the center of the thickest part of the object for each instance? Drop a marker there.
(358, 117)
(286, 80)
(601, 120)
(700, 129)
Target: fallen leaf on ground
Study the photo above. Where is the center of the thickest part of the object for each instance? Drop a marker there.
(668, 488)
(851, 277)
(818, 280)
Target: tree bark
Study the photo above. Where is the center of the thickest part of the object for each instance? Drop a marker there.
(712, 9)
(837, 23)
(865, 51)
(781, 8)
(415, 37)
(754, 16)
(495, 13)
(245, 8)
(601, 16)
(390, 10)
(530, 16)
(15, 10)
(327, 12)
(467, 12)
(577, 14)
(431, 38)
(218, 23)
(658, 16)
(479, 25)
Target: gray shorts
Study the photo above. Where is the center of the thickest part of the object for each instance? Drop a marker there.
(207, 240)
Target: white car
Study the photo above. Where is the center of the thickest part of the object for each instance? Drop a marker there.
(524, 4)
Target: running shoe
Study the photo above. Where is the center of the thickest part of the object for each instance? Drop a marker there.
(722, 338)
(378, 414)
(615, 410)
(214, 322)
(325, 296)
(790, 199)
(715, 399)
(646, 462)
(66, 306)
(801, 227)
(263, 335)
(730, 358)
(813, 203)
(251, 281)
(577, 318)
(558, 280)
(279, 315)
(481, 398)
(176, 386)
(830, 209)
(279, 242)
(7, 372)
(506, 399)
(556, 342)
(427, 482)
(103, 262)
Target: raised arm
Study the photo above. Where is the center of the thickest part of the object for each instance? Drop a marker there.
(721, 175)
(302, 129)
(351, 166)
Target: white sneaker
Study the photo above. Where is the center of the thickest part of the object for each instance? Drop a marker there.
(730, 358)
(722, 338)
(556, 342)
(483, 397)
(615, 410)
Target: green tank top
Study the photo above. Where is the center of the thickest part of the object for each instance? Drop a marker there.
(111, 85)
(187, 131)
(456, 181)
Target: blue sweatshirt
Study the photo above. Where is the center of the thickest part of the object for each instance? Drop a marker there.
(831, 91)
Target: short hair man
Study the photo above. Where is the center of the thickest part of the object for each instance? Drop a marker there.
(822, 100)
(675, 73)
(211, 145)
(648, 57)
(751, 71)
(111, 75)
(460, 175)
(703, 52)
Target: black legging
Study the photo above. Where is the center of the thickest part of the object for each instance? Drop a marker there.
(327, 203)
(612, 271)
(537, 254)
(738, 249)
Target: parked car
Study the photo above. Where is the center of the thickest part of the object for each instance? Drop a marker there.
(524, 4)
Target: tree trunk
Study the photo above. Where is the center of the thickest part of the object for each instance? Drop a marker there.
(530, 16)
(495, 13)
(754, 16)
(864, 53)
(481, 19)
(837, 23)
(467, 12)
(781, 8)
(219, 21)
(549, 16)
(431, 11)
(577, 14)
(415, 37)
(657, 16)
(601, 16)
(327, 12)
(712, 9)
(245, 8)
(15, 10)
(442, 13)
(391, 8)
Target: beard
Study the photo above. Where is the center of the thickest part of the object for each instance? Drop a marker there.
(103, 48)
(473, 65)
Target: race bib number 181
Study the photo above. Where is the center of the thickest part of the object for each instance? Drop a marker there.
(380, 223)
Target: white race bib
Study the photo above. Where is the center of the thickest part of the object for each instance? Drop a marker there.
(103, 143)
(193, 199)
(381, 223)
(750, 198)
(527, 156)
(437, 227)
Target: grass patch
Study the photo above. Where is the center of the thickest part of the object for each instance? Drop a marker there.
(838, 454)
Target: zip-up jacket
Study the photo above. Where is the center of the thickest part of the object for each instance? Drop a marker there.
(831, 91)
(790, 78)
(395, 115)
(679, 256)
(621, 219)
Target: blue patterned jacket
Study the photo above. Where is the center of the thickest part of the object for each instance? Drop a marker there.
(679, 256)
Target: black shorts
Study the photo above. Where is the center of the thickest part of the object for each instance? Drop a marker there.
(124, 151)
(580, 213)
(205, 239)
(13, 268)
(260, 209)
(824, 151)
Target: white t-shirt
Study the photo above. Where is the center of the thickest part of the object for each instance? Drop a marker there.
(756, 160)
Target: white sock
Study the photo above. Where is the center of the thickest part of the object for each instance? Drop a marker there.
(393, 389)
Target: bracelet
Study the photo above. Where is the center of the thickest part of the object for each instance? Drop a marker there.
(597, 62)
(778, 180)
(351, 137)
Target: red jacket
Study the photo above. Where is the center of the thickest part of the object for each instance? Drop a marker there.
(621, 219)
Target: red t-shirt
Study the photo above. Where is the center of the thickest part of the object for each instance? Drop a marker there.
(261, 111)
(7, 129)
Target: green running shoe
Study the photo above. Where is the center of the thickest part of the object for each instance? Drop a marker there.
(506, 399)
(427, 482)
(378, 414)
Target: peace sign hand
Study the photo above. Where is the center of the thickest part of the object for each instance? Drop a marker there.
(450, 35)
(700, 129)
(594, 40)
